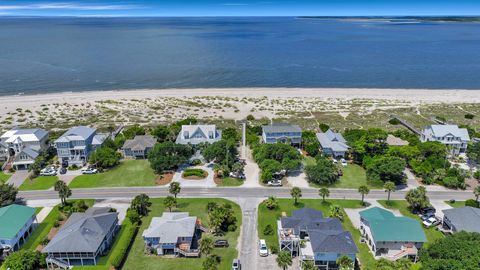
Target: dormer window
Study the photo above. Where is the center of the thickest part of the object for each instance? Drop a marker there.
(210, 135)
(185, 134)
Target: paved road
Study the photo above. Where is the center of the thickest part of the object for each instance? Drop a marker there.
(234, 192)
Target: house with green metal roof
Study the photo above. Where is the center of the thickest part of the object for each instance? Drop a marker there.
(389, 236)
(17, 222)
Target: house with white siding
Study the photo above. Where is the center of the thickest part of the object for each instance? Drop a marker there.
(20, 147)
(455, 138)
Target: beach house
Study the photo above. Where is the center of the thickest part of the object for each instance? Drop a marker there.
(17, 222)
(82, 239)
(173, 234)
(389, 236)
(138, 147)
(311, 237)
(20, 147)
(282, 133)
(332, 144)
(461, 219)
(455, 138)
(196, 134)
(75, 146)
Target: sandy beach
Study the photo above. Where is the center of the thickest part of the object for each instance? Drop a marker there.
(145, 106)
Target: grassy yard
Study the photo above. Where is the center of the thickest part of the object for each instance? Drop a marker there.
(39, 183)
(431, 233)
(230, 182)
(196, 207)
(266, 216)
(44, 228)
(4, 177)
(456, 204)
(128, 173)
(353, 176)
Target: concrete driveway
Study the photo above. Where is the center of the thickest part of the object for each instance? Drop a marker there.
(120, 204)
(297, 179)
(207, 182)
(252, 171)
(18, 177)
(439, 206)
(69, 175)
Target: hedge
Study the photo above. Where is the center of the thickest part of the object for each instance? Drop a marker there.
(120, 247)
(194, 172)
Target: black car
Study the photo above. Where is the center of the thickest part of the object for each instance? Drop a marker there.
(221, 243)
(63, 170)
(428, 210)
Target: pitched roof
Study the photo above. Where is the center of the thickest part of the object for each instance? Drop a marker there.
(385, 226)
(170, 226)
(83, 232)
(332, 140)
(25, 135)
(76, 134)
(30, 152)
(196, 134)
(326, 234)
(98, 139)
(443, 130)
(13, 218)
(140, 142)
(395, 141)
(464, 219)
(281, 127)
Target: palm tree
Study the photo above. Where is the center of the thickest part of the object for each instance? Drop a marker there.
(271, 203)
(324, 192)
(284, 259)
(336, 212)
(206, 245)
(364, 190)
(476, 192)
(174, 189)
(141, 203)
(296, 193)
(389, 186)
(211, 262)
(169, 202)
(309, 265)
(63, 191)
(345, 263)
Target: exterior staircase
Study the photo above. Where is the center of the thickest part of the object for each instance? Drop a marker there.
(8, 164)
(192, 253)
(59, 263)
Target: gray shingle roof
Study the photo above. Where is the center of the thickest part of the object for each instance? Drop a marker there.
(281, 127)
(83, 232)
(326, 234)
(170, 226)
(76, 133)
(332, 140)
(464, 219)
(140, 142)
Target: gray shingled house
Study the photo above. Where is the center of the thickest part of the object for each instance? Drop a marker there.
(139, 146)
(311, 237)
(332, 144)
(82, 239)
(282, 133)
(462, 219)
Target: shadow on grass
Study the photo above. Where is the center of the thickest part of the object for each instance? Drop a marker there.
(182, 205)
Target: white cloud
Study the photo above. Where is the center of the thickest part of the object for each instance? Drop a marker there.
(69, 6)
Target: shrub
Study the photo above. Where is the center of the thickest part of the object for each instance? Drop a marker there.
(394, 121)
(119, 250)
(274, 249)
(250, 117)
(196, 162)
(469, 116)
(472, 203)
(194, 172)
(268, 230)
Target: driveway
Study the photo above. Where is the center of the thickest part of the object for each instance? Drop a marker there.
(439, 206)
(252, 171)
(18, 177)
(207, 182)
(297, 179)
(120, 204)
(69, 176)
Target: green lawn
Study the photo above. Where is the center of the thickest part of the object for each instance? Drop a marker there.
(266, 216)
(4, 177)
(456, 204)
(128, 173)
(39, 183)
(353, 176)
(230, 182)
(44, 228)
(196, 207)
(431, 233)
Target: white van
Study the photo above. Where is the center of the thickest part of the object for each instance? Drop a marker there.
(262, 248)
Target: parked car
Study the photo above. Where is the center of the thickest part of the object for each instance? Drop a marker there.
(89, 171)
(427, 216)
(427, 210)
(344, 162)
(275, 183)
(237, 175)
(262, 248)
(430, 222)
(236, 264)
(63, 170)
(221, 243)
(48, 171)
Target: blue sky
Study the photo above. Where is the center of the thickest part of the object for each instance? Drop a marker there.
(238, 7)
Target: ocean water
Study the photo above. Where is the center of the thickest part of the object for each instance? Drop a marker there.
(40, 55)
